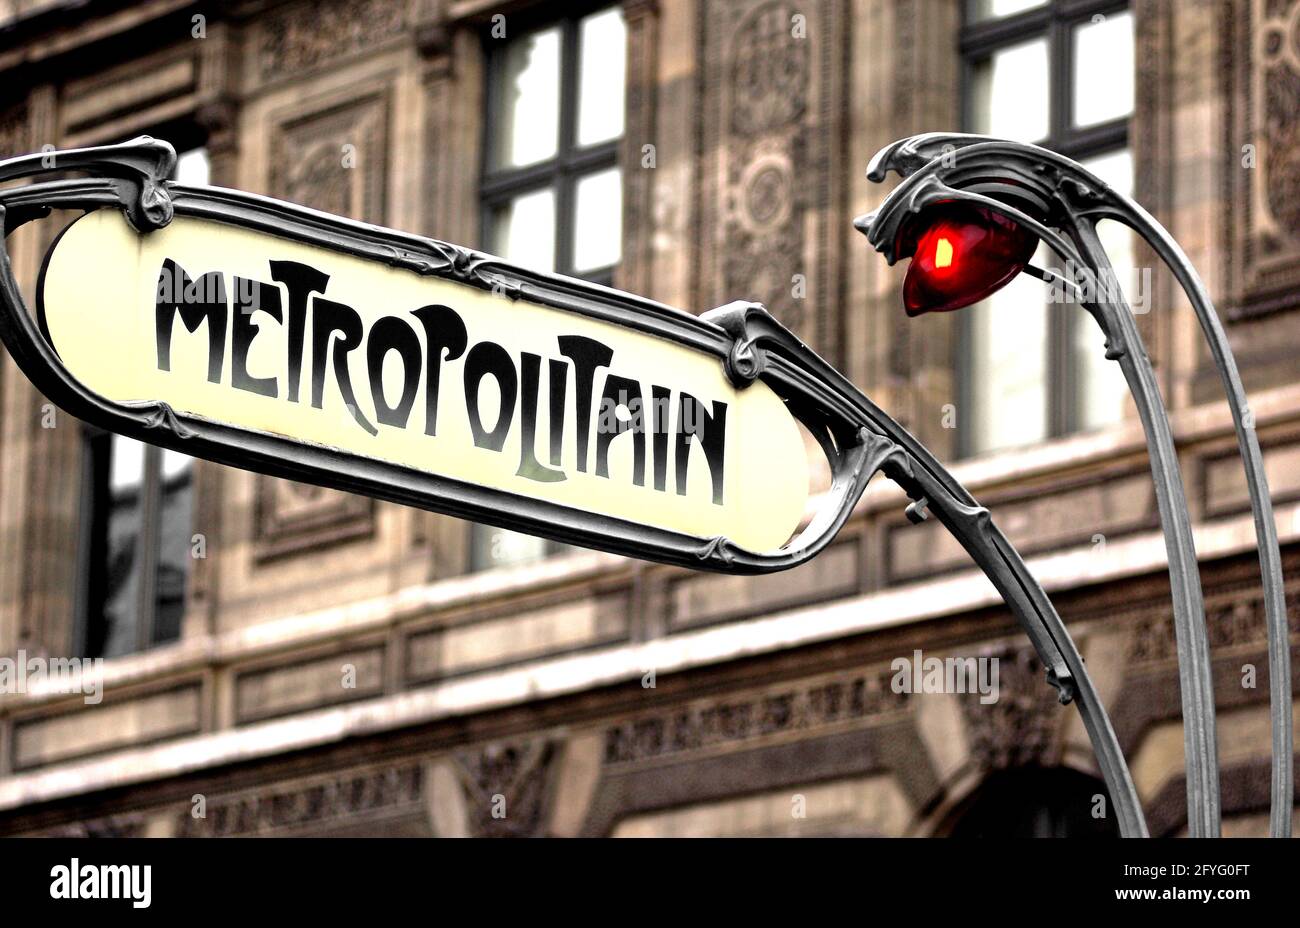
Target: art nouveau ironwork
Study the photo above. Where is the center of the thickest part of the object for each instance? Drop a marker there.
(1059, 202)
(857, 437)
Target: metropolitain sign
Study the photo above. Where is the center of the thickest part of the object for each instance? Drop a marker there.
(287, 341)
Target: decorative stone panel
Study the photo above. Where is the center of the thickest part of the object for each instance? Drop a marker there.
(769, 221)
(333, 157)
(1263, 175)
(301, 37)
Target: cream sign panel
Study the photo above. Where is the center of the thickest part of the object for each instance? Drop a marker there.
(270, 335)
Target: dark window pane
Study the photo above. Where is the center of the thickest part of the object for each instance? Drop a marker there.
(174, 540)
(119, 549)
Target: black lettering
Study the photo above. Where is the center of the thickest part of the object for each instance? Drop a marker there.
(443, 329)
(559, 386)
(251, 296)
(483, 359)
(530, 368)
(174, 288)
(587, 354)
(619, 391)
(660, 399)
(710, 432)
(393, 334)
(301, 281)
(329, 317)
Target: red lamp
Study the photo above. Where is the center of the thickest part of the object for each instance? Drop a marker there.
(963, 252)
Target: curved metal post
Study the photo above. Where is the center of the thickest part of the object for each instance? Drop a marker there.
(858, 437)
(1270, 557)
(762, 344)
(1004, 176)
(1195, 672)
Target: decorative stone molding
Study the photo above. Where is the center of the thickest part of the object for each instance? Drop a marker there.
(1019, 729)
(635, 272)
(1237, 621)
(14, 134)
(507, 787)
(353, 796)
(304, 36)
(113, 826)
(805, 706)
(1262, 82)
(312, 163)
(294, 518)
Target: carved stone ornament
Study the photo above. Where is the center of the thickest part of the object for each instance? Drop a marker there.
(1263, 173)
(507, 788)
(1020, 727)
(766, 166)
(336, 799)
(305, 35)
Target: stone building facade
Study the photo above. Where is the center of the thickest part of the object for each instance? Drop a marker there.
(339, 666)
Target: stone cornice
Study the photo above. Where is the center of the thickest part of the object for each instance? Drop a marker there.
(568, 675)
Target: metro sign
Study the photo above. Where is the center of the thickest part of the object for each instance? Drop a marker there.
(288, 341)
(240, 327)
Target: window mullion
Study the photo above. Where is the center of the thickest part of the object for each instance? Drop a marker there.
(1062, 369)
(569, 64)
(981, 38)
(148, 552)
(91, 521)
(1061, 77)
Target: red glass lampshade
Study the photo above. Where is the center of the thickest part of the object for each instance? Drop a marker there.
(964, 252)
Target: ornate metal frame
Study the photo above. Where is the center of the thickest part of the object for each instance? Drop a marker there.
(132, 177)
(1062, 203)
(857, 437)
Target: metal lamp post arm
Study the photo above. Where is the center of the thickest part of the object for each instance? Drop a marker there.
(997, 174)
(763, 345)
(931, 184)
(1195, 672)
(1140, 221)
(973, 527)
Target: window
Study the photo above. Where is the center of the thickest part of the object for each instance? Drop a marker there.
(552, 188)
(1033, 802)
(137, 522)
(1057, 73)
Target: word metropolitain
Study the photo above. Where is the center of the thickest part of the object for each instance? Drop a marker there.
(497, 394)
(554, 391)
